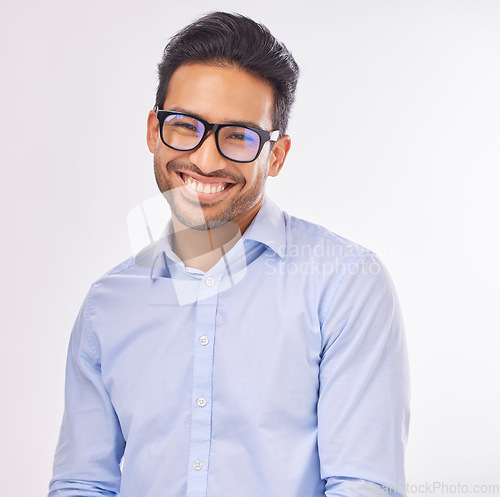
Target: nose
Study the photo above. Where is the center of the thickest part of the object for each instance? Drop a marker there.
(206, 156)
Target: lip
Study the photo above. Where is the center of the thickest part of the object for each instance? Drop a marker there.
(205, 179)
(200, 195)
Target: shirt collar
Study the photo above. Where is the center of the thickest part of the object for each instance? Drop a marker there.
(267, 227)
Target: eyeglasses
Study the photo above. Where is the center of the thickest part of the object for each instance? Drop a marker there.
(234, 142)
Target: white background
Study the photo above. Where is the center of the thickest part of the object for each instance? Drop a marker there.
(395, 145)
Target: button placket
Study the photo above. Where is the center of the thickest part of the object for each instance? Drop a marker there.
(201, 412)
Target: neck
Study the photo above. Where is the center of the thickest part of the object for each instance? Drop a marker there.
(202, 249)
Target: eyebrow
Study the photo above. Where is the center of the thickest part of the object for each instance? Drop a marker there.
(250, 124)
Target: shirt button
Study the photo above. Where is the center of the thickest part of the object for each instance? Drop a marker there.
(201, 402)
(210, 281)
(197, 465)
(204, 340)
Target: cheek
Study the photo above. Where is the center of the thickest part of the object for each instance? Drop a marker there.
(159, 158)
(164, 155)
(258, 172)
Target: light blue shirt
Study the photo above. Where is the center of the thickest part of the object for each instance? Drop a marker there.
(280, 372)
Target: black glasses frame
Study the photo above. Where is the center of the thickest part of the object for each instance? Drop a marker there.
(264, 136)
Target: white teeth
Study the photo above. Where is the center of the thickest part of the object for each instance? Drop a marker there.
(203, 187)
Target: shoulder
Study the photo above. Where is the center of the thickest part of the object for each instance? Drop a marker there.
(130, 273)
(341, 271)
(137, 265)
(311, 239)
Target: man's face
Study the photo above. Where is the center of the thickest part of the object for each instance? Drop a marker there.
(218, 95)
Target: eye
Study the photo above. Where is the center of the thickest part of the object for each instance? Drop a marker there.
(187, 126)
(237, 136)
(243, 136)
(183, 123)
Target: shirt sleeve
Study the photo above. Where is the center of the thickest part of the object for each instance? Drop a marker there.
(364, 394)
(91, 444)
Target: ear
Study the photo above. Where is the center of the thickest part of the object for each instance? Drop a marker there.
(152, 133)
(278, 155)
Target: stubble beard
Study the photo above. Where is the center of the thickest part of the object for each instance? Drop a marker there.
(194, 214)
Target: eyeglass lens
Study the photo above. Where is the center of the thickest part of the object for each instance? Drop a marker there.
(235, 142)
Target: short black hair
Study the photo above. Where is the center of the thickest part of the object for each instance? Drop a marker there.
(233, 39)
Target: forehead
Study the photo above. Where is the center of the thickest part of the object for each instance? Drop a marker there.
(221, 94)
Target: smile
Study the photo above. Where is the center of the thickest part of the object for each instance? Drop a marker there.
(208, 188)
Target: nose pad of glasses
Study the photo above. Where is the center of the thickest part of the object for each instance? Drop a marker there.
(211, 133)
(207, 158)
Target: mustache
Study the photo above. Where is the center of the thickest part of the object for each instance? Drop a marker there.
(175, 165)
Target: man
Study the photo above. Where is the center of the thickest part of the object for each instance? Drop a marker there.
(246, 353)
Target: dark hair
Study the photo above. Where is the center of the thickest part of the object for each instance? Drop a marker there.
(232, 39)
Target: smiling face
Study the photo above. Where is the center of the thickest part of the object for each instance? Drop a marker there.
(204, 189)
